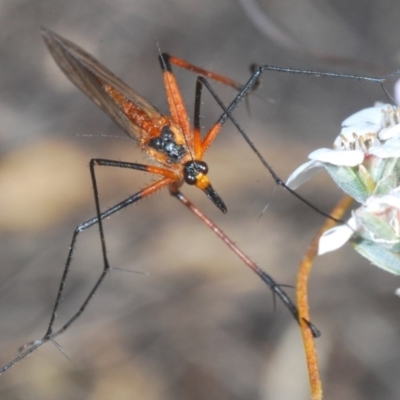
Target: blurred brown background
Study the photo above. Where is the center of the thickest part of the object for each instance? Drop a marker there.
(199, 326)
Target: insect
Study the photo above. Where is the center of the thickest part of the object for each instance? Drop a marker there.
(176, 148)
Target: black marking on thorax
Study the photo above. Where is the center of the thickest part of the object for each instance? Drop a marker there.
(166, 144)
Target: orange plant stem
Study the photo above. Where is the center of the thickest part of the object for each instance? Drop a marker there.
(302, 298)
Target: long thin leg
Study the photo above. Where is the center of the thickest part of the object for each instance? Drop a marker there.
(374, 79)
(176, 104)
(199, 152)
(200, 71)
(275, 287)
(256, 74)
(98, 219)
(50, 334)
(217, 127)
(201, 146)
(32, 346)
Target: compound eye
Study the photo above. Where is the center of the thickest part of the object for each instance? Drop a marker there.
(190, 179)
(193, 169)
(202, 167)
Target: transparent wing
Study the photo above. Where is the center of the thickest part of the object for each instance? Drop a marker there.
(91, 77)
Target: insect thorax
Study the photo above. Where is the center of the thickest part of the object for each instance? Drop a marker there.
(167, 145)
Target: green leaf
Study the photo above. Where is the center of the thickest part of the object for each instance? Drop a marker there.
(378, 255)
(377, 229)
(347, 179)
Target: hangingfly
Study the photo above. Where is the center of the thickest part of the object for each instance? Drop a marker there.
(176, 147)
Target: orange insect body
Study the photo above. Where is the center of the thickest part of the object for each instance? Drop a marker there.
(169, 141)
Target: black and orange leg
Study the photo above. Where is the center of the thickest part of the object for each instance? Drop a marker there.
(178, 110)
(50, 335)
(200, 148)
(168, 177)
(266, 278)
(175, 101)
(167, 59)
(227, 114)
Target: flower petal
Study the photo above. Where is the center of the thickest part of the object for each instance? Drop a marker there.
(392, 132)
(371, 115)
(348, 158)
(390, 149)
(334, 238)
(375, 203)
(396, 90)
(304, 173)
(361, 129)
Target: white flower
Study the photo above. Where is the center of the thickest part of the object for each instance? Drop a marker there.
(359, 153)
(373, 230)
(365, 164)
